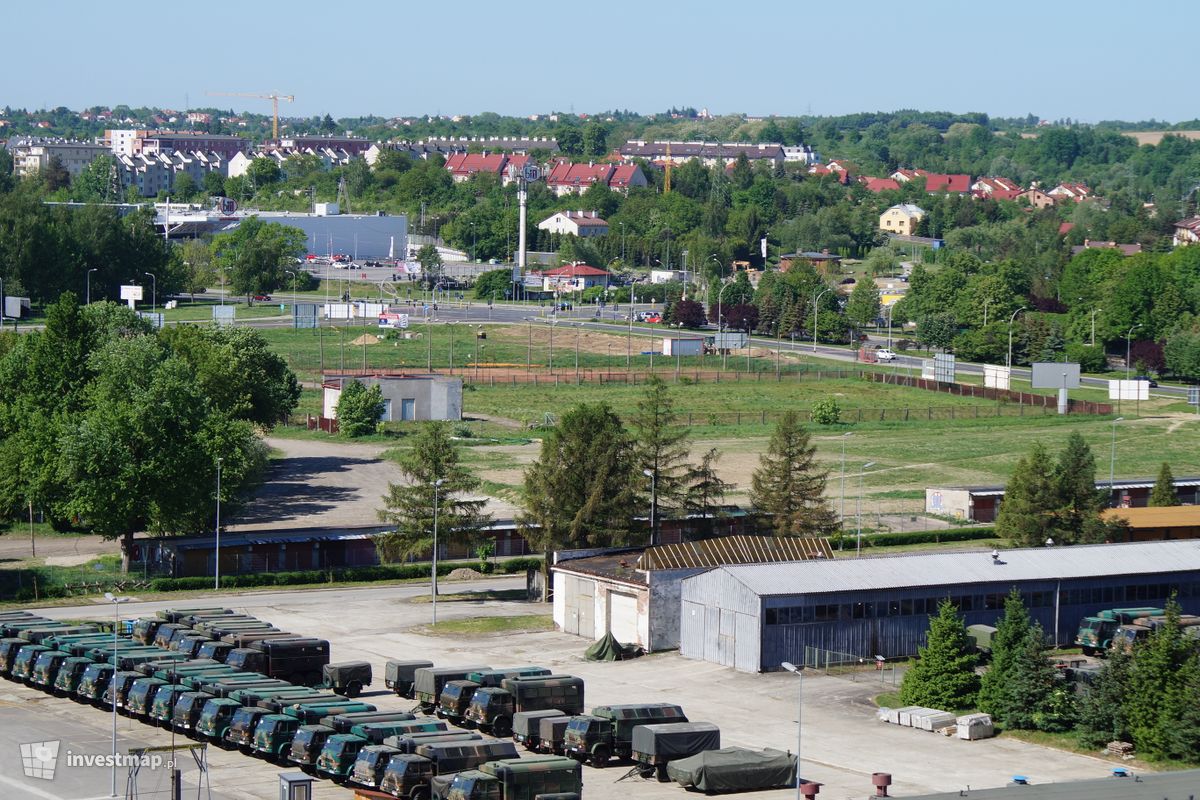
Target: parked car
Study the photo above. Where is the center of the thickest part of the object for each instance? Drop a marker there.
(884, 354)
(262, 298)
(1153, 383)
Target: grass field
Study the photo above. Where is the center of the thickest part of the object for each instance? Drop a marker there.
(523, 623)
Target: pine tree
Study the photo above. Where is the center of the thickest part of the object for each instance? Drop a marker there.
(705, 490)
(1157, 683)
(1026, 516)
(409, 506)
(1031, 685)
(660, 446)
(788, 486)
(1079, 503)
(1182, 739)
(1102, 709)
(1011, 632)
(1163, 493)
(944, 675)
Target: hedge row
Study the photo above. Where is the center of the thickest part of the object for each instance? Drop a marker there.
(926, 537)
(380, 572)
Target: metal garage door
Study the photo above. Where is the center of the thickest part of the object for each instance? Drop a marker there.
(623, 617)
(580, 607)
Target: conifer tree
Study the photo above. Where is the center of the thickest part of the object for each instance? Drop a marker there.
(944, 675)
(1102, 708)
(660, 446)
(1032, 685)
(705, 490)
(1163, 493)
(1079, 503)
(1158, 684)
(788, 486)
(1011, 632)
(1026, 516)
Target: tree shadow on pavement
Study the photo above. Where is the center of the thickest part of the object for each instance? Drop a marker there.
(297, 487)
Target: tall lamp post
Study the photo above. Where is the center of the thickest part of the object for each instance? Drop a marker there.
(1128, 347)
(858, 506)
(433, 561)
(845, 436)
(89, 284)
(1094, 312)
(816, 300)
(799, 673)
(649, 473)
(1112, 460)
(1008, 359)
(153, 291)
(294, 277)
(217, 553)
(116, 601)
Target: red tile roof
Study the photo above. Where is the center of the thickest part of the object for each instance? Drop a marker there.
(880, 184)
(567, 174)
(1065, 228)
(470, 163)
(938, 182)
(574, 271)
(622, 177)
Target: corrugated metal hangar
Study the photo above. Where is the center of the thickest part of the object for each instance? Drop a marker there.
(755, 617)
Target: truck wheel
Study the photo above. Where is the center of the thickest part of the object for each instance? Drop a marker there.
(1088, 651)
(353, 689)
(661, 772)
(502, 727)
(419, 793)
(600, 757)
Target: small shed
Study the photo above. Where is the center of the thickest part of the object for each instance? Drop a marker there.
(405, 397)
(683, 346)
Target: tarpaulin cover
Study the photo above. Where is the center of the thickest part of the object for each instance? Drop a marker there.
(403, 670)
(674, 740)
(342, 673)
(734, 769)
(609, 649)
(525, 723)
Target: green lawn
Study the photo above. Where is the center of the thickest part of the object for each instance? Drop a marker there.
(525, 623)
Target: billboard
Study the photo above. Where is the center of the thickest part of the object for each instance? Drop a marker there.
(131, 293)
(943, 368)
(1050, 375)
(224, 315)
(996, 377)
(339, 311)
(730, 341)
(305, 315)
(156, 320)
(1128, 390)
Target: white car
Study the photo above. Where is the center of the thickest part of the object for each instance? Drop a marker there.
(884, 354)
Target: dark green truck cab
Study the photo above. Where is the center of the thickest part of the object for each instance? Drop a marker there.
(69, 675)
(162, 708)
(493, 709)
(608, 730)
(518, 779)
(214, 720)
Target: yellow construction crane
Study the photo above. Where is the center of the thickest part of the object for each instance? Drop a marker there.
(274, 98)
(667, 177)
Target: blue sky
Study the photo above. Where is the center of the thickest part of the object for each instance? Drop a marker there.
(1094, 60)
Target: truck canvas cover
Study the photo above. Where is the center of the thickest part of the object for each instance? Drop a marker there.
(343, 672)
(403, 670)
(525, 723)
(674, 740)
(460, 755)
(734, 769)
(430, 680)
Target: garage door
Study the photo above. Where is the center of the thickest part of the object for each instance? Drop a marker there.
(579, 607)
(623, 617)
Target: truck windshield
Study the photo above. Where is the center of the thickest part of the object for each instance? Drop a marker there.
(480, 704)
(237, 659)
(580, 726)
(243, 718)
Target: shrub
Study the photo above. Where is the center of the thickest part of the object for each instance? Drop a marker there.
(826, 412)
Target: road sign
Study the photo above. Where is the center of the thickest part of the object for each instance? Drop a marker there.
(532, 172)
(730, 341)
(131, 292)
(224, 315)
(1194, 395)
(1050, 375)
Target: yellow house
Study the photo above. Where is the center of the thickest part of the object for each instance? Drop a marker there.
(901, 219)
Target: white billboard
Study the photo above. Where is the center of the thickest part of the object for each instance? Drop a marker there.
(996, 377)
(943, 368)
(131, 293)
(339, 311)
(1128, 390)
(1055, 375)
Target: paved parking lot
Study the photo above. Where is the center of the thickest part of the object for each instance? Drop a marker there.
(842, 743)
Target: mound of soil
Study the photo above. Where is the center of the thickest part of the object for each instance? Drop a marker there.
(463, 574)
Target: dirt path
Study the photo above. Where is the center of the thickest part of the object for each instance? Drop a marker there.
(55, 550)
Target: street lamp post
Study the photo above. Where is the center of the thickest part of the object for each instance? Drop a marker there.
(89, 285)
(451, 326)
(294, 277)
(816, 300)
(553, 323)
(1112, 460)
(433, 561)
(1008, 360)
(799, 673)
(153, 291)
(112, 684)
(1128, 348)
(217, 553)
(649, 473)
(858, 506)
(986, 303)
(845, 436)
(578, 330)
(1093, 339)
(889, 312)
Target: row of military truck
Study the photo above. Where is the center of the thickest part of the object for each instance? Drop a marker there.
(1106, 630)
(240, 683)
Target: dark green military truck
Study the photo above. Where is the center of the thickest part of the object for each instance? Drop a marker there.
(428, 683)
(162, 708)
(214, 720)
(299, 661)
(409, 775)
(347, 678)
(69, 675)
(654, 746)
(45, 668)
(399, 676)
(242, 725)
(608, 730)
(525, 726)
(518, 779)
(94, 683)
(141, 697)
(493, 708)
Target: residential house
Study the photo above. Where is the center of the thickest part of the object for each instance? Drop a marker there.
(354, 145)
(823, 261)
(1037, 198)
(902, 219)
(33, 154)
(567, 178)
(708, 153)
(906, 175)
(463, 165)
(239, 164)
(625, 177)
(573, 278)
(575, 223)
(995, 188)
(1088, 244)
(1076, 192)
(878, 185)
(1187, 231)
(948, 184)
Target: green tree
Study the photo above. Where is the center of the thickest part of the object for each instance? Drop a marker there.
(214, 184)
(431, 466)
(359, 409)
(706, 490)
(1012, 630)
(256, 253)
(1102, 707)
(495, 283)
(55, 175)
(1158, 686)
(580, 490)
(862, 308)
(1034, 695)
(185, 187)
(944, 673)
(199, 270)
(660, 447)
(264, 171)
(937, 330)
(431, 264)
(594, 142)
(788, 486)
(1026, 517)
(570, 140)
(1163, 494)
(1079, 503)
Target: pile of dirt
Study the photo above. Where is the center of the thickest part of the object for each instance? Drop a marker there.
(366, 338)
(464, 574)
